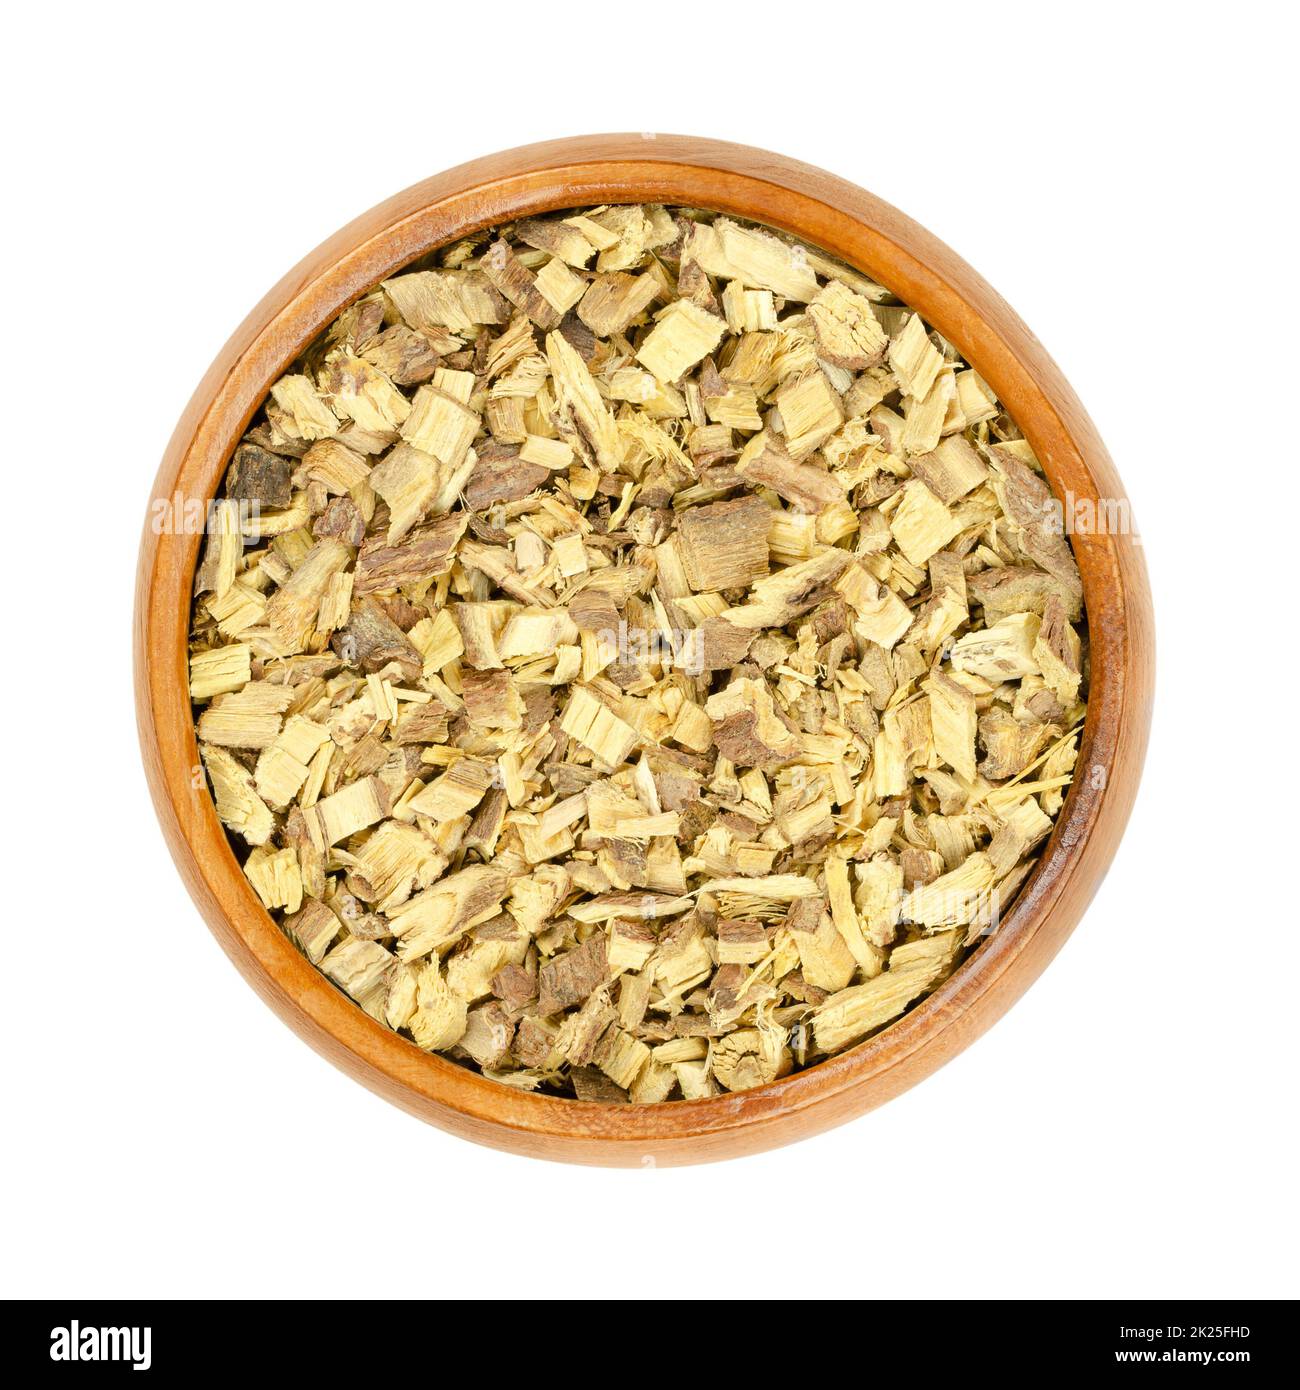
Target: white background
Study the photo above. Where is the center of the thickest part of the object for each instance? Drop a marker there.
(1124, 175)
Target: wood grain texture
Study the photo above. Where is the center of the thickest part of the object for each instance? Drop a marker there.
(865, 232)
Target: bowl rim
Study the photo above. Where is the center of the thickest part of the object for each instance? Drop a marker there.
(846, 222)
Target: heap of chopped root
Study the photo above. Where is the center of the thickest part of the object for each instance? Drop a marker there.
(635, 656)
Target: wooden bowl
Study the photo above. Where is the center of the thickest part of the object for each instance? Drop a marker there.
(925, 274)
